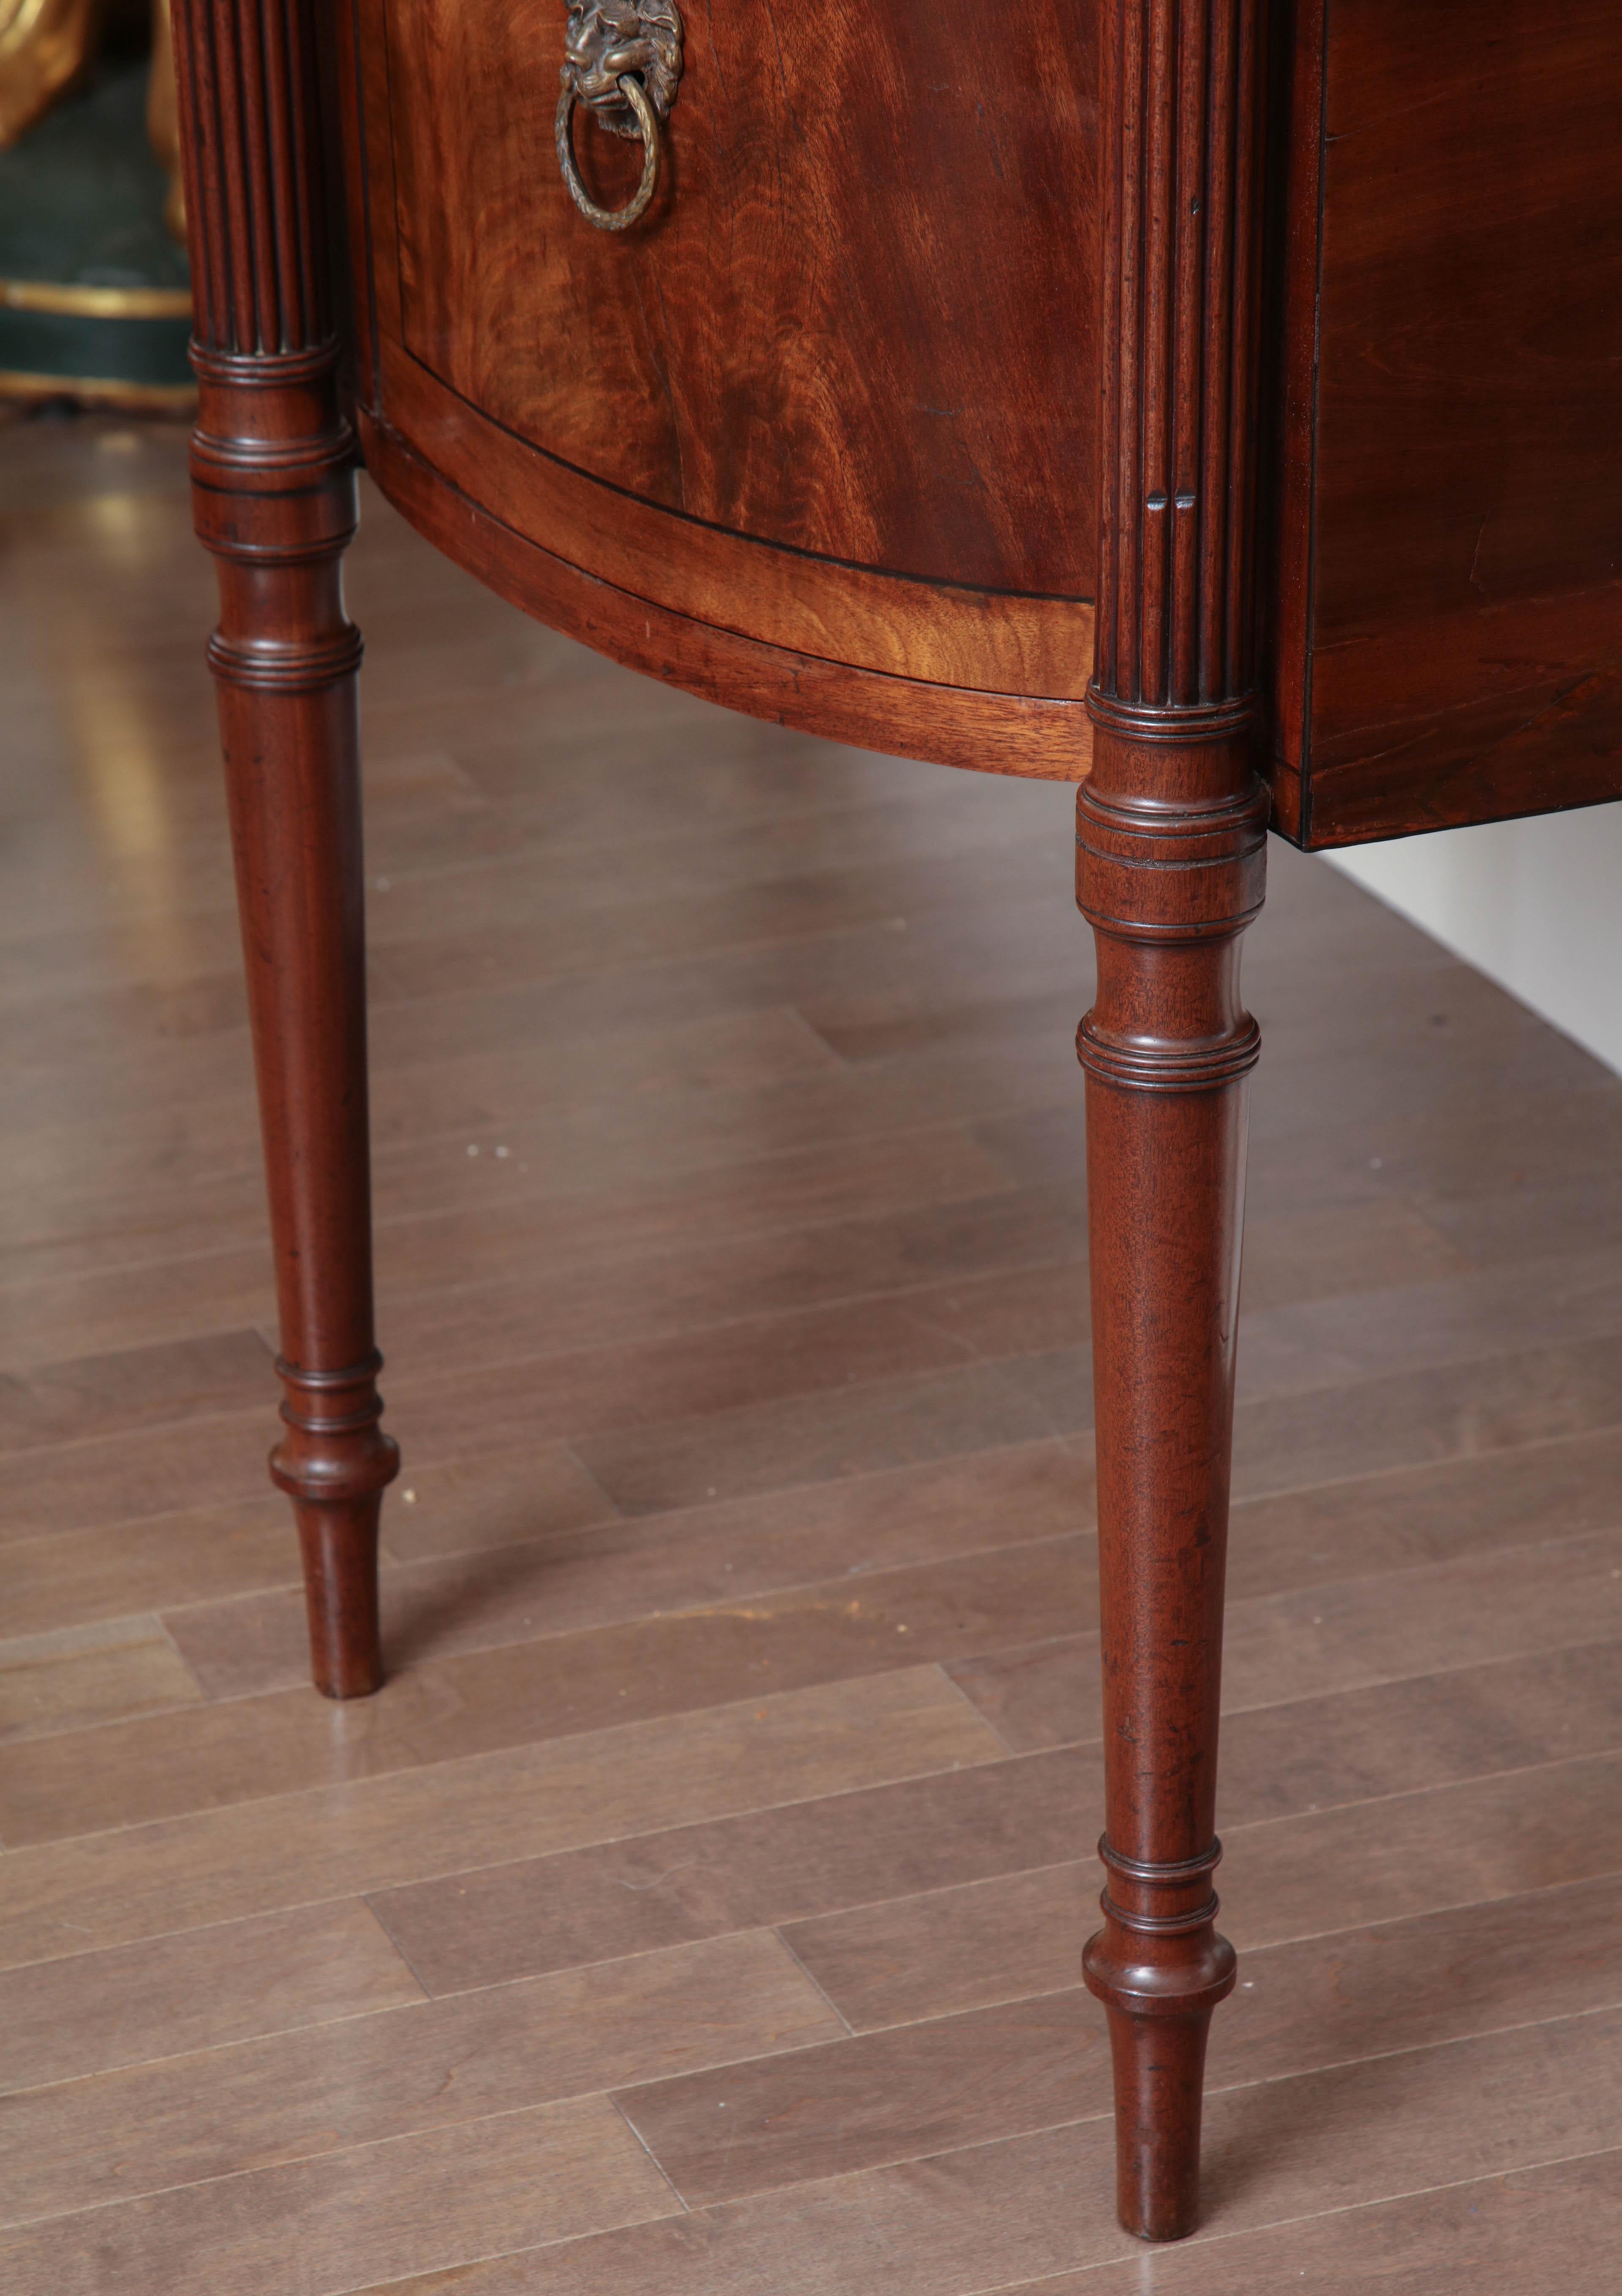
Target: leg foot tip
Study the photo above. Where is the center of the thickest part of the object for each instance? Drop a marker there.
(357, 1677)
(340, 1587)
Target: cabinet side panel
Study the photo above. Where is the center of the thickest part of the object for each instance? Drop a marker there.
(1466, 659)
(1289, 373)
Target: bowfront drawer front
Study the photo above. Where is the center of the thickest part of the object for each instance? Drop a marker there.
(834, 392)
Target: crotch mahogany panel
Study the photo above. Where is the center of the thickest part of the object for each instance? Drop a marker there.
(818, 437)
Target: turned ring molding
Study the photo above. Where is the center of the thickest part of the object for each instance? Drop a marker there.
(623, 62)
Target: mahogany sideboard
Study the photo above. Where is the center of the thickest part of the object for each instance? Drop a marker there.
(1209, 402)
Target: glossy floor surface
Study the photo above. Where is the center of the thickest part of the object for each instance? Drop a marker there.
(697, 1911)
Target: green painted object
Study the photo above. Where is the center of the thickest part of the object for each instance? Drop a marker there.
(95, 302)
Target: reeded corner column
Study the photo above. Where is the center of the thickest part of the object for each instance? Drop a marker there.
(1171, 830)
(274, 496)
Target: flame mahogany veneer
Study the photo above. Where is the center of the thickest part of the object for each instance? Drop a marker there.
(1208, 402)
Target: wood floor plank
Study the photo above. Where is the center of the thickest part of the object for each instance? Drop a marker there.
(1347, 1247)
(664, 1564)
(392, 2072)
(1280, 1444)
(132, 1772)
(995, 2217)
(610, 1299)
(427, 2203)
(1452, 1845)
(198, 1554)
(599, 1212)
(61, 1577)
(1408, 1984)
(935, 2086)
(572, 1186)
(880, 1424)
(1526, 1218)
(238, 1278)
(870, 832)
(733, 1363)
(530, 1800)
(166, 1997)
(73, 1172)
(546, 941)
(990, 1309)
(1427, 1514)
(498, 1498)
(769, 1867)
(1295, 1349)
(168, 1381)
(1420, 1731)
(113, 1306)
(583, 1005)
(1419, 1325)
(932, 961)
(1402, 1003)
(124, 1477)
(713, 1368)
(944, 2227)
(1340, 1635)
(81, 1677)
(950, 1952)
(1329, 1128)
(569, 1132)
(82, 1024)
(1507, 1603)
(1042, 2060)
(1430, 1761)
(76, 1578)
(814, 1439)
(1046, 1695)
(1518, 2234)
(1289, 1442)
(1007, 1825)
(1511, 1601)
(572, 1388)
(589, 1299)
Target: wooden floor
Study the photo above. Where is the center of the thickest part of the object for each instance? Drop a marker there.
(697, 1912)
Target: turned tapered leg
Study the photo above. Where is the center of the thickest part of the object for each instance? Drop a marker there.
(1167, 1049)
(274, 496)
(1171, 850)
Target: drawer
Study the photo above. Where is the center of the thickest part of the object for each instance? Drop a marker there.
(835, 394)
(842, 328)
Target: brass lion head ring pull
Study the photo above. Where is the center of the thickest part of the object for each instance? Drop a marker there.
(623, 61)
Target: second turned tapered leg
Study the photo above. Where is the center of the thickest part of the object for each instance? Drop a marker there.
(1171, 828)
(274, 493)
(1167, 1049)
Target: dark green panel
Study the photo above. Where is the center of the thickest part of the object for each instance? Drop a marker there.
(81, 205)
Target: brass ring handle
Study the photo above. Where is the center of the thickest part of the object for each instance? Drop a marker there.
(647, 122)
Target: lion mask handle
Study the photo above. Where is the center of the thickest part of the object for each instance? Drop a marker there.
(623, 61)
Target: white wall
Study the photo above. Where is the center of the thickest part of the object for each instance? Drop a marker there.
(1535, 904)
